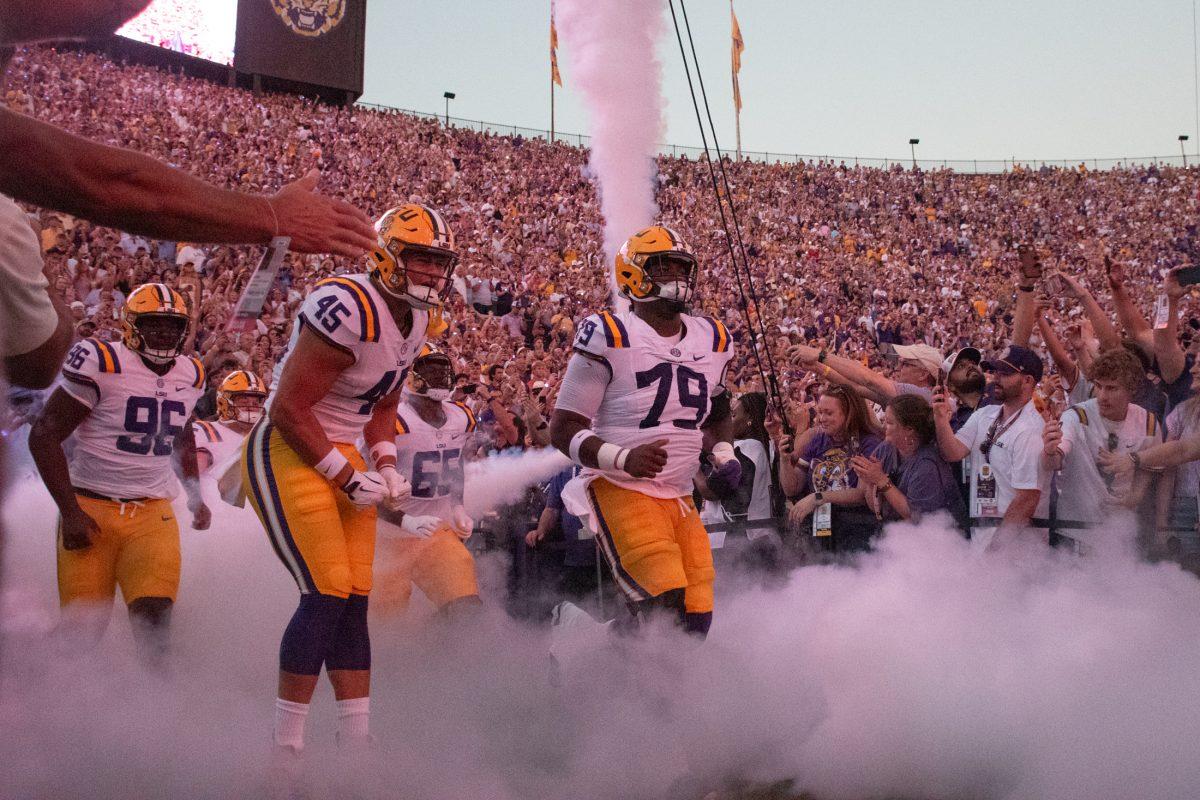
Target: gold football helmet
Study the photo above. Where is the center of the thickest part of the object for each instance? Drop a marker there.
(237, 385)
(414, 239)
(432, 375)
(155, 321)
(656, 264)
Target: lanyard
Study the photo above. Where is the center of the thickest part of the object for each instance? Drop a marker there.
(993, 434)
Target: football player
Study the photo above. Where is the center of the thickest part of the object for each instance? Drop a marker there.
(642, 397)
(351, 347)
(240, 400)
(431, 433)
(129, 405)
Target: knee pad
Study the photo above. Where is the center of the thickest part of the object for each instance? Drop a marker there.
(351, 647)
(310, 633)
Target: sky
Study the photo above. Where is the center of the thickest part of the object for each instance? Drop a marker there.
(1058, 79)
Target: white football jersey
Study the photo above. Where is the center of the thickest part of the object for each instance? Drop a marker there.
(123, 447)
(349, 313)
(661, 388)
(222, 443)
(431, 458)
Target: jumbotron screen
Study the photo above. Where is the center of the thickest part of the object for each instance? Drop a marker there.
(201, 28)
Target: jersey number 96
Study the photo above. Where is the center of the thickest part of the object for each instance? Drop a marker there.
(155, 432)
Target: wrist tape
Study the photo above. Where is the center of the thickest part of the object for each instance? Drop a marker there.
(331, 464)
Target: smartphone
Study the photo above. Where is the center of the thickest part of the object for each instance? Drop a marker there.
(941, 379)
(469, 389)
(1188, 276)
(1054, 285)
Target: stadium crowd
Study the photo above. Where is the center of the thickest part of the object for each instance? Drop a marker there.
(848, 263)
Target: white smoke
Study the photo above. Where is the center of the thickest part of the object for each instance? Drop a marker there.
(610, 48)
(503, 478)
(926, 671)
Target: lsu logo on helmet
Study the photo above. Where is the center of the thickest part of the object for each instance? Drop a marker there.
(237, 385)
(414, 230)
(154, 322)
(641, 273)
(310, 17)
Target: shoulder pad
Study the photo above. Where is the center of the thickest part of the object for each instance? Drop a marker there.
(467, 413)
(601, 332)
(91, 357)
(721, 340)
(198, 382)
(90, 363)
(402, 426)
(342, 310)
(436, 324)
(207, 430)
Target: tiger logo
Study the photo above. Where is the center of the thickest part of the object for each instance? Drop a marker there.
(310, 17)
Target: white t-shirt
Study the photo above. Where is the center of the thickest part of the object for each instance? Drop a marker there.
(27, 318)
(1082, 489)
(1015, 456)
(1180, 424)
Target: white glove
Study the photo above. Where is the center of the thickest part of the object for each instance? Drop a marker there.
(420, 525)
(462, 524)
(365, 488)
(397, 485)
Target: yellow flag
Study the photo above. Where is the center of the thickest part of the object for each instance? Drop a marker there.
(554, 50)
(739, 45)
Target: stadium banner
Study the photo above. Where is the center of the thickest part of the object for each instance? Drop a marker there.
(254, 296)
(320, 42)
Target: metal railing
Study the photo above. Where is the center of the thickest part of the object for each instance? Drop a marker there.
(975, 165)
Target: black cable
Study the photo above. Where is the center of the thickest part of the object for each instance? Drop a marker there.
(770, 382)
(737, 228)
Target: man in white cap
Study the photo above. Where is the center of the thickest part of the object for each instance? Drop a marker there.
(966, 382)
(917, 369)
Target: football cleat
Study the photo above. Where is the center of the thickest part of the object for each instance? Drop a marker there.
(414, 240)
(432, 375)
(155, 321)
(656, 264)
(241, 397)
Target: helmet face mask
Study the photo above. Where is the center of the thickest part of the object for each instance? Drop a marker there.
(673, 276)
(656, 265)
(415, 258)
(241, 397)
(155, 323)
(433, 377)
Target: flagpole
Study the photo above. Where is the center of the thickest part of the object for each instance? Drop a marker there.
(737, 122)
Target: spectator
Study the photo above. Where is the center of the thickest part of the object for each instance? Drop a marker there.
(1004, 443)
(906, 477)
(1108, 422)
(752, 498)
(830, 494)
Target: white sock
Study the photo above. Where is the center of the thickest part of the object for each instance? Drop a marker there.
(354, 718)
(289, 723)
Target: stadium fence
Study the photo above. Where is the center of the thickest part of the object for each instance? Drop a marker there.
(981, 165)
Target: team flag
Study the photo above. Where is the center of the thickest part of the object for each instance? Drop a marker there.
(557, 78)
(739, 45)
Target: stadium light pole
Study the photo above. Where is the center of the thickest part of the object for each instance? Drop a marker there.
(912, 145)
(1183, 137)
(449, 96)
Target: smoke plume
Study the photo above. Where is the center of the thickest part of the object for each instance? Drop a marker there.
(925, 671)
(610, 50)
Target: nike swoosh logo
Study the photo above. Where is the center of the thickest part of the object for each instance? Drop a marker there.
(697, 358)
